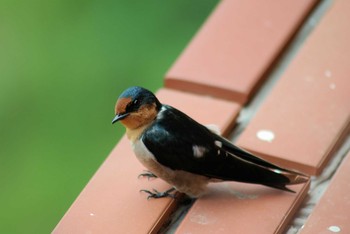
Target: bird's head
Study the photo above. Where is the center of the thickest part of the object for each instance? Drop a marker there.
(136, 107)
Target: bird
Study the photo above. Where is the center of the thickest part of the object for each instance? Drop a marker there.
(186, 154)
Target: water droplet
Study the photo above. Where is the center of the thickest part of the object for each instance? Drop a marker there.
(332, 86)
(328, 73)
(334, 229)
(199, 218)
(265, 135)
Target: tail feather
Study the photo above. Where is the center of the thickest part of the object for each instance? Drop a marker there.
(280, 187)
(245, 167)
(293, 178)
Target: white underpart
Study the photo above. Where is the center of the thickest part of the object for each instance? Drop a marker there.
(185, 182)
(148, 160)
(198, 151)
(141, 152)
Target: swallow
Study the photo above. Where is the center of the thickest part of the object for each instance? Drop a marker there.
(187, 154)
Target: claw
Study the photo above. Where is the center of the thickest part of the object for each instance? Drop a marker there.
(157, 194)
(147, 174)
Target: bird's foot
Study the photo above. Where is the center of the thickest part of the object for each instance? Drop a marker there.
(147, 174)
(156, 194)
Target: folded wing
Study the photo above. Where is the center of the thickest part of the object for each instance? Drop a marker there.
(189, 146)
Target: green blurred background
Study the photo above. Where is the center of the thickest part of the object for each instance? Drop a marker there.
(62, 66)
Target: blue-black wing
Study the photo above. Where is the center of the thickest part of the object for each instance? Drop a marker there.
(174, 139)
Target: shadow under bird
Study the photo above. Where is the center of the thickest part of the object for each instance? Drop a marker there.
(186, 154)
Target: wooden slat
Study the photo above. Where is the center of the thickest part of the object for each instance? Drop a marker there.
(308, 111)
(242, 208)
(236, 46)
(332, 212)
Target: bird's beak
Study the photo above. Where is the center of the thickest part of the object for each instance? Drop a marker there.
(119, 117)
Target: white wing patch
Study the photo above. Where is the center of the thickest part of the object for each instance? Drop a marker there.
(160, 114)
(198, 151)
(213, 128)
(218, 144)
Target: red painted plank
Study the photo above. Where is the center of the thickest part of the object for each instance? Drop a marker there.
(308, 111)
(242, 208)
(332, 212)
(111, 202)
(236, 46)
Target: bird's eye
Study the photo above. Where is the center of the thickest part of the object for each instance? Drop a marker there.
(133, 105)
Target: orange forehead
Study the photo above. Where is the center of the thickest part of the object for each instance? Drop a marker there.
(121, 105)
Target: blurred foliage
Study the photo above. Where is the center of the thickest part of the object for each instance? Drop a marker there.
(62, 66)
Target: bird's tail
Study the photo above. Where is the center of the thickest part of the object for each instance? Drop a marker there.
(245, 167)
(293, 178)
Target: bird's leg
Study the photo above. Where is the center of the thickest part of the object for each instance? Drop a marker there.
(156, 194)
(147, 174)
